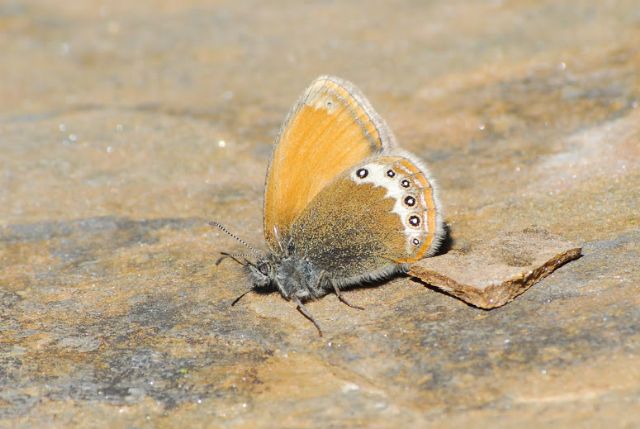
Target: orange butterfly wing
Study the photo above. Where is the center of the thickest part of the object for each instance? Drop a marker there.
(331, 128)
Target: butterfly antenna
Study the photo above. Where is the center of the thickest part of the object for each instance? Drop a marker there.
(240, 258)
(240, 240)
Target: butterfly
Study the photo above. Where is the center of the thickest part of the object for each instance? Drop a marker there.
(343, 204)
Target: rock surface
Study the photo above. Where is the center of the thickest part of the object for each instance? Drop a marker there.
(491, 273)
(126, 126)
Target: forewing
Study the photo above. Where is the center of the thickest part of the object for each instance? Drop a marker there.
(380, 212)
(331, 128)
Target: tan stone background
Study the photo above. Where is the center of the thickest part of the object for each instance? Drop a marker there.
(126, 125)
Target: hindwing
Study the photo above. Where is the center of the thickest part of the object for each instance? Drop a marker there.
(375, 216)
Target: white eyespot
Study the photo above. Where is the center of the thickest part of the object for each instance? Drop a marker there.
(414, 220)
(405, 183)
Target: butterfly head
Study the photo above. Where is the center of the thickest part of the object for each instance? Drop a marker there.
(292, 275)
(262, 272)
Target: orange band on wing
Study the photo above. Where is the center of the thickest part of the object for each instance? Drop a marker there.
(361, 116)
(427, 193)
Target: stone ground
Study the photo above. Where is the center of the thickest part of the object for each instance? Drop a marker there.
(126, 126)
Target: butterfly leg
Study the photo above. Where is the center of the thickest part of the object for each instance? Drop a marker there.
(235, 301)
(337, 291)
(303, 310)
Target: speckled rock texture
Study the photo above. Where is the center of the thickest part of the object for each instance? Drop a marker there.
(126, 126)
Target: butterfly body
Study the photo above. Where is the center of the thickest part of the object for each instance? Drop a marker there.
(294, 277)
(343, 204)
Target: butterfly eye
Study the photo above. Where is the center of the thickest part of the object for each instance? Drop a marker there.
(410, 201)
(362, 173)
(391, 173)
(264, 269)
(405, 183)
(414, 220)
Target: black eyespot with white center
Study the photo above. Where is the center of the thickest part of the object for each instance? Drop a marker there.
(391, 173)
(415, 241)
(410, 201)
(405, 183)
(414, 220)
(362, 173)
